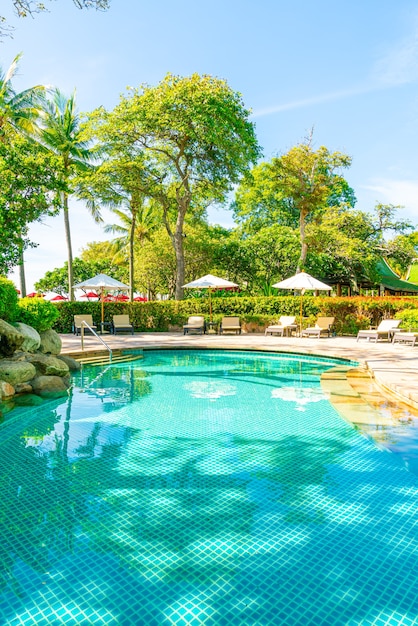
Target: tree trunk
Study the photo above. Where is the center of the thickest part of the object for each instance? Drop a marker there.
(22, 277)
(180, 266)
(132, 257)
(69, 247)
(177, 241)
(304, 245)
(183, 203)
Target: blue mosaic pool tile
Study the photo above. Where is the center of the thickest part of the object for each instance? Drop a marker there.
(194, 490)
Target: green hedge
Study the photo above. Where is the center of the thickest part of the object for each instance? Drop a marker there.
(38, 313)
(351, 314)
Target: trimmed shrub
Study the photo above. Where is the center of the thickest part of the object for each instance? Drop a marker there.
(409, 319)
(351, 314)
(8, 300)
(38, 313)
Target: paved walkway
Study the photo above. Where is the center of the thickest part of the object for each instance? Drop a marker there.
(394, 367)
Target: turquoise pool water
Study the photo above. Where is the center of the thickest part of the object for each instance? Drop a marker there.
(214, 488)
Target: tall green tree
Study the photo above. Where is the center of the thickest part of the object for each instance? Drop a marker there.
(117, 183)
(306, 179)
(61, 134)
(26, 175)
(194, 140)
(259, 201)
(27, 178)
(136, 224)
(295, 188)
(347, 244)
(19, 111)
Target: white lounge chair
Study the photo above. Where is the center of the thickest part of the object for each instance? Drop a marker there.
(122, 323)
(285, 326)
(383, 331)
(322, 326)
(230, 324)
(195, 323)
(78, 319)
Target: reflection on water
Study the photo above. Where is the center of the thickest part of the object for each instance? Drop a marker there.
(185, 484)
(211, 389)
(391, 424)
(300, 395)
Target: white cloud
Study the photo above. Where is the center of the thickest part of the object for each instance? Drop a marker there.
(399, 65)
(312, 100)
(396, 191)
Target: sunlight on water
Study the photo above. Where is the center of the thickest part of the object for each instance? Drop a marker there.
(202, 488)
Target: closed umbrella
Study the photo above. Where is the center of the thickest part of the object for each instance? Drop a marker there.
(302, 282)
(210, 282)
(102, 283)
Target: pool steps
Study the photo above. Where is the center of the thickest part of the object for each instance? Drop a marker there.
(103, 357)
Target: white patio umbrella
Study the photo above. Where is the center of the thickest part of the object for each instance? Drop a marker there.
(102, 283)
(302, 282)
(210, 282)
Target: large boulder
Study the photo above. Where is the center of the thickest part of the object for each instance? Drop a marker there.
(16, 372)
(6, 390)
(48, 365)
(49, 386)
(23, 388)
(73, 365)
(50, 342)
(32, 339)
(11, 339)
(28, 399)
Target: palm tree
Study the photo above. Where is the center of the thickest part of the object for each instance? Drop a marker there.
(136, 225)
(19, 113)
(61, 133)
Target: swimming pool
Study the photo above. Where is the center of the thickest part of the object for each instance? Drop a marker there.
(202, 488)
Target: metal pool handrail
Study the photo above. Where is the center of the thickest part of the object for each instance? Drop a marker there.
(85, 324)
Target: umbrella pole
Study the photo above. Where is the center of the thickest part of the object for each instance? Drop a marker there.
(102, 324)
(301, 313)
(210, 306)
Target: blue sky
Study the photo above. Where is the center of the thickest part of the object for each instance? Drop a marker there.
(350, 70)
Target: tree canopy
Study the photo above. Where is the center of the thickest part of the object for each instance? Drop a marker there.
(294, 188)
(61, 135)
(193, 139)
(27, 177)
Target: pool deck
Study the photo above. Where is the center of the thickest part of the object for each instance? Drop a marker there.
(394, 367)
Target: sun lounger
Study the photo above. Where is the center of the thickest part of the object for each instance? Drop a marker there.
(122, 323)
(322, 326)
(230, 325)
(405, 337)
(78, 319)
(285, 325)
(195, 323)
(385, 330)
